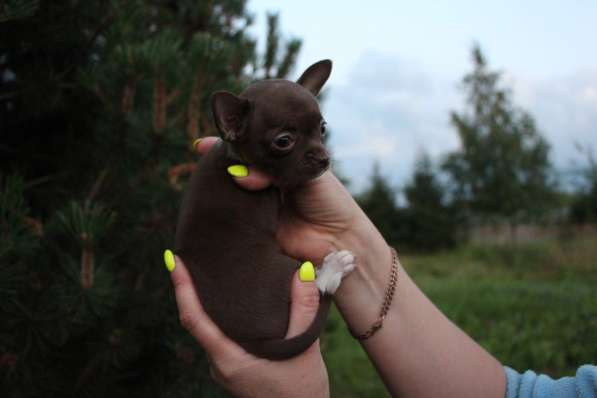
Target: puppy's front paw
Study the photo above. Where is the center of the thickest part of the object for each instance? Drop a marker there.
(335, 266)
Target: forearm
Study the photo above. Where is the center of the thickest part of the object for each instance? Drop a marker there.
(418, 352)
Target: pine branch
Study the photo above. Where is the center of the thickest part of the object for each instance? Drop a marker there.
(128, 96)
(96, 188)
(159, 105)
(103, 25)
(17, 9)
(194, 106)
(292, 50)
(87, 224)
(273, 40)
(87, 263)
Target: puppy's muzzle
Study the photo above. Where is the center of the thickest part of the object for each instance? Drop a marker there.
(317, 165)
(323, 164)
(318, 160)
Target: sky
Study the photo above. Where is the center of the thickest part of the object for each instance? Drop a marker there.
(398, 67)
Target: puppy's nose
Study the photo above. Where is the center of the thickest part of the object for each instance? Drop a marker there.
(320, 159)
(324, 162)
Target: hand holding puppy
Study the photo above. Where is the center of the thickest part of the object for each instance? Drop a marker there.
(241, 373)
(319, 216)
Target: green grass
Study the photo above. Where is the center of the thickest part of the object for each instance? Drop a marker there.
(350, 371)
(533, 306)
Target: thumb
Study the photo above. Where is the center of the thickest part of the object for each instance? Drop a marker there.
(304, 297)
(251, 178)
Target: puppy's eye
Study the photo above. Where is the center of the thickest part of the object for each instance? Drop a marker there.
(323, 130)
(283, 142)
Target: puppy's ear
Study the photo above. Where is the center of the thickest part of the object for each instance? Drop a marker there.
(230, 114)
(315, 76)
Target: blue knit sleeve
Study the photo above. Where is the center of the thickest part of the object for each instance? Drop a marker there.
(531, 385)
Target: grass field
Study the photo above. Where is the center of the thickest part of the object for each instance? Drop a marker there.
(533, 306)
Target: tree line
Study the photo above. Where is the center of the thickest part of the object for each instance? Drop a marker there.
(500, 175)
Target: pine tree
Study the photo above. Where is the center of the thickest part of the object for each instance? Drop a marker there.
(502, 170)
(99, 104)
(378, 201)
(431, 222)
(275, 63)
(583, 209)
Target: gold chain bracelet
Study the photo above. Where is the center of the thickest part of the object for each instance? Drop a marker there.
(385, 307)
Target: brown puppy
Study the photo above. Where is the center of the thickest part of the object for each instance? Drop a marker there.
(227, 236)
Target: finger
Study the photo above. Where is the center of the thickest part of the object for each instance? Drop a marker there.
(248, 178)
(254, 180)
(203, 145)
(194, 318)
(304, 304)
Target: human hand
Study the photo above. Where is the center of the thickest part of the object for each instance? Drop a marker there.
(241, 373)
(320, 217)
(317, 218)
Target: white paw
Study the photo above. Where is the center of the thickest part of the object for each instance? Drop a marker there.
(335, 266)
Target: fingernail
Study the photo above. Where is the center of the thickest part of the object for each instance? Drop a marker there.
(169, 260)
(196, 143)
(307, 272)
(238, 170)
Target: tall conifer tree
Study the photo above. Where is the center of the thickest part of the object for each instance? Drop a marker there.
(100, 101)
(502, 170)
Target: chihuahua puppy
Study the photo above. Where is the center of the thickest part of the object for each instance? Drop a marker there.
(227, 235)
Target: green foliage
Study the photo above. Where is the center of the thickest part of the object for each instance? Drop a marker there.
(99, 103)
(431, 222)
(572, 258)
(379, 203)
(288, 60)
(584, 206)
(349, 368)
(426, 223)
(547, 327)
(15, 235)
(273, 39)
(17, 241)
(532, 306)
(17, 9)
(273, 58)
(84, 223)
(502, 171)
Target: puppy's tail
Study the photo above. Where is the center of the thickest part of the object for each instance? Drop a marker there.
(286, 348)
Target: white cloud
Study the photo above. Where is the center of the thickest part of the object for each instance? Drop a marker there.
(589, 94)
(392, 108)
(565, 109)
(377, 142)
(389, 111)
(389, 73)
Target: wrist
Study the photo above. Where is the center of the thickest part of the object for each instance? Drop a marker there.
(365, 242)
(363, 290)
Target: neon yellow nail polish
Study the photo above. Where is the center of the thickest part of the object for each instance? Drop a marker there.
(307, 272)
(238, 170)
(196, 143)
(169, 260)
